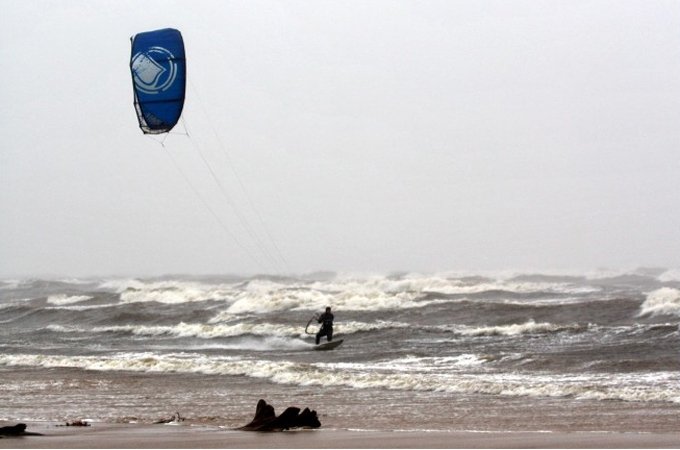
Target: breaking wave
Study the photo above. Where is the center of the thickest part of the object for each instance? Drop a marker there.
(529, 327)
(645, 387)
(346, 293)
(414, 364)
(212, 331)
(358, 299)
(63, 299)
(670, 275)
(168, 292)
(661, 301)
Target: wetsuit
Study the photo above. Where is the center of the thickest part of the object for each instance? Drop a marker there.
(326, 321)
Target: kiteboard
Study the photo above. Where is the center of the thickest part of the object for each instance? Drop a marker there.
(329, 345)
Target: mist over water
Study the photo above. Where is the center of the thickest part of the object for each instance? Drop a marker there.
(579, 344)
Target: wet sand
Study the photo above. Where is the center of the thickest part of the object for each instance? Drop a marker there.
(102, 435)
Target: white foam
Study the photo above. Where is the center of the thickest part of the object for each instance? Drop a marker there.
(443, 284)
(661, 301)
(268, 343)
(669, 276)
(638, 387)
(11, 284)
(413, 364)
(13, 303)
(529, 327)
(182, 329)
(375, 293)
(80, 307)
(221, 330)
(63, 299)
(169, 292)
(63, 329)
(353, 297)
(349, 293)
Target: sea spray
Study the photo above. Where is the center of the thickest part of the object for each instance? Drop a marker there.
(664, 301)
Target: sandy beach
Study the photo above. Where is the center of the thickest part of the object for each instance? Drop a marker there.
(102, 435)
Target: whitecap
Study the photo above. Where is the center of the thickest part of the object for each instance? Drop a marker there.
(223, 330)
(169, 291)
(528, 327)
(638, 387)
(669, 276)
(661, 301)
(63, 299)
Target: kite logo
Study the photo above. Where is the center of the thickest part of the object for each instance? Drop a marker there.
(154, 70)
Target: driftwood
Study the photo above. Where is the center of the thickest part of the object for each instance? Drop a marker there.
(17, 430)
(266, 419)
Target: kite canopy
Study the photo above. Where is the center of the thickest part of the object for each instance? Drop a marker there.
(158, 68)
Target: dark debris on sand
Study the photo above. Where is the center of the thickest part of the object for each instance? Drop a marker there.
(76, 423)
(266, 419)
(174, 418)
(16, 430)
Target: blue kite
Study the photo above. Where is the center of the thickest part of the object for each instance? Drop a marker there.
(158, 68)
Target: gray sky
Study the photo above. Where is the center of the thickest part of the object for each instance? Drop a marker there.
(369, 136)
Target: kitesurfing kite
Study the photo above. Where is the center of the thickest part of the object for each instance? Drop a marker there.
(158, 68)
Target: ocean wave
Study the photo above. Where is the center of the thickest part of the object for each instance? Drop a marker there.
(258, 344)
(350, 293)
(11, 284)
(169, 291)
(81, 307)
(529, 327)
(182, 329)
(258, 296)
(150, 362)
(414, 364)
(660, 302)
(639, 387)
(358, 298)
(213, 331)
(452, 285)
(669, 276)
(15, 302)
(63, 299)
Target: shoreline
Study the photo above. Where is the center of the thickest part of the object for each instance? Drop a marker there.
(110, 435)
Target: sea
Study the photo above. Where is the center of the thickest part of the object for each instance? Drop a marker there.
(456, 351)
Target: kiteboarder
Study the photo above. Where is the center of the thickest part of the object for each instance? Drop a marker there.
(326, 321)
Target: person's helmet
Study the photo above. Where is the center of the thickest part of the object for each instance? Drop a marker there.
(328, 309)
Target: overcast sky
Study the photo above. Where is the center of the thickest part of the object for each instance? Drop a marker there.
(362, 136)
